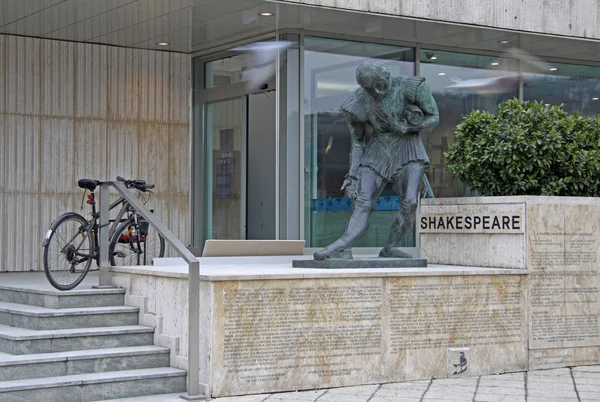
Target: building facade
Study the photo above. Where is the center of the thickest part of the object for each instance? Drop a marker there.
(242, 147)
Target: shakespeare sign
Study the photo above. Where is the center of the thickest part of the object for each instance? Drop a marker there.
(471, 223)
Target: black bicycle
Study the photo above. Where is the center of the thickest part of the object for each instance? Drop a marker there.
(71, 243)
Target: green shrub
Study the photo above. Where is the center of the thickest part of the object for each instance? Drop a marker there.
(527, 148)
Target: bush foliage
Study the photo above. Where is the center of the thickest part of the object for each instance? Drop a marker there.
(527, 148)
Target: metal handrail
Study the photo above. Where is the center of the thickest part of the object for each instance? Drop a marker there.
(193, 375)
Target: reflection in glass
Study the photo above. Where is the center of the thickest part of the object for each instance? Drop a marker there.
(577, 87)
(329, 79)
(224, 174)
(442, 69)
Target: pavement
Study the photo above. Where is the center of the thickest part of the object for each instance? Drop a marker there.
(580, 383)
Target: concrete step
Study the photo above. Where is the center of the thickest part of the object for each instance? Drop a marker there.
(95, 386)
(20, 341)
(19, 367)
(57, 299)
(42, 318)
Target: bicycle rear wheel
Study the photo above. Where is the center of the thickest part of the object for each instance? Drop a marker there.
(135, 244)
(68, 251)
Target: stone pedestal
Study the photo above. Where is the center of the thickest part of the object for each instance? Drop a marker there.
(558, 244)
(268, 327)
(362, 263)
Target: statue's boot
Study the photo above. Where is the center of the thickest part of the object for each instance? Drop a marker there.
(392, 252)
(334, 251)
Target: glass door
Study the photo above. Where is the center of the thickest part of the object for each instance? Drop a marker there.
(225, 169)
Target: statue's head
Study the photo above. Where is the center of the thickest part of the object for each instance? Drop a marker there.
(374, 78)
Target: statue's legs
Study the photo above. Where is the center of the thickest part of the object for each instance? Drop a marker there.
(407, 186)
(371, 185)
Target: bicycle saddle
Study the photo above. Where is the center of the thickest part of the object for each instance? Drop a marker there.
(88, 184)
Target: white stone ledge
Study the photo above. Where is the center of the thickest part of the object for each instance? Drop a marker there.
(426, 202)
(250, 272)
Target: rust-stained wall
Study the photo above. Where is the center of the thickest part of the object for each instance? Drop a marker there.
(72, 110)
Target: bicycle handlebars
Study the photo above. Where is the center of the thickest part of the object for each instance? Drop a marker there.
(138, 184)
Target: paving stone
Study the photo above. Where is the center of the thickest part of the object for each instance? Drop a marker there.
(544, 381)
(502, 384)
(505, 376)
(247, 398)
(406, 393)
(552, 392)
(550, 373)
(498, 398)
(452, 395)
(451, 398)
(501, 390)
(593, 369)
(407, 385)
(589, 396)
(586, 374)
(301, 396)
(550, 399)
(456, 381)
(392, 399)
(358, 394)
(591, 387)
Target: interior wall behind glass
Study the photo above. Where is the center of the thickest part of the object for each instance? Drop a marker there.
(224, 169)
(441, 70)
(576, 87)
(329, 79)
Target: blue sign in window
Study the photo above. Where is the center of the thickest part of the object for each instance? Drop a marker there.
(384, 203)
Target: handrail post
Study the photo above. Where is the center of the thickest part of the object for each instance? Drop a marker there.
(105, 275)
(193, 372)
(194, 329)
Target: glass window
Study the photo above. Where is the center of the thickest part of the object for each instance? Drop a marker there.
(227, 71)
(441, 70)
(225, 170)
(329, 79)
(577, 87)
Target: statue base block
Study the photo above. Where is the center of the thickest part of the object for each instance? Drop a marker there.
(362, 263)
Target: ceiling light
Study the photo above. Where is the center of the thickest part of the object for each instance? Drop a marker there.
(504, 42)
(594, 98)
(546, 104)
(433, 58)
(495, 63)
(441, 73)
(553, 69)
(266, 14)
(163, 43)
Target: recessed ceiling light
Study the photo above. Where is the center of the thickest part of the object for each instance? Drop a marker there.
(546, 104)
(163, 43)
(433, 58)
(441, 73)
(504, 42)
(594, 98)
(553, 69)
(495, 63)
(266, 14)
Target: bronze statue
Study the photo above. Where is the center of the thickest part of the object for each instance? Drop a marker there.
(385, 116)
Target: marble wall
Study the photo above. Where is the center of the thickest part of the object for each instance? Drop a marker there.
(559, 249)
(563, 284)
(278, 335)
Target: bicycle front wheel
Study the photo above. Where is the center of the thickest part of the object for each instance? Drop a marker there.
(68, 251)
(135, 244)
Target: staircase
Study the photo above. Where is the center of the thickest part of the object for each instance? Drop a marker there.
(78, 346)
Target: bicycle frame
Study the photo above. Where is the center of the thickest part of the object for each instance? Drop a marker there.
(94, 226)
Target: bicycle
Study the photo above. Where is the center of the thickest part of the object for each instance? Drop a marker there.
(71, 242)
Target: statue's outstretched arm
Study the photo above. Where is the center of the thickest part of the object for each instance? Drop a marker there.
(424, 100)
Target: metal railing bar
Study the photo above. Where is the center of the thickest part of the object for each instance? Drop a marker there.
(193, 277)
